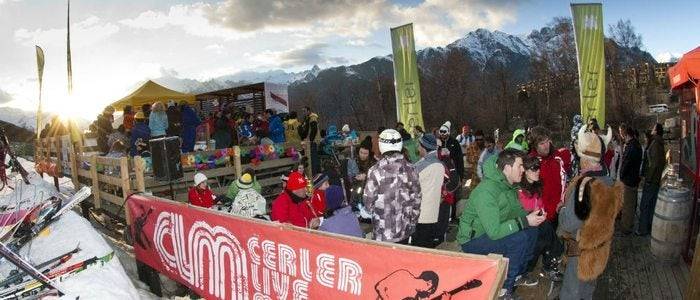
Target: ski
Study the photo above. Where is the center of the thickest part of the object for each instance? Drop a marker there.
(46, 219)
(28, 288)
(17, 276)
(26, 267)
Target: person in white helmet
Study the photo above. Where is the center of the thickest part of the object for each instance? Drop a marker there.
(392, 194)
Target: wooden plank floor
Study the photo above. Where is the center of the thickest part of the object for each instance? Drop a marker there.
(632, 273)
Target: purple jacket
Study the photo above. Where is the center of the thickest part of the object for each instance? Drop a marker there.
(344, 222)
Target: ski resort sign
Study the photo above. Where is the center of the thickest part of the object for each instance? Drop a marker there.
(220, 256)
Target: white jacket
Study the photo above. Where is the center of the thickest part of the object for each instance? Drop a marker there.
(248, 203)
(431, 179)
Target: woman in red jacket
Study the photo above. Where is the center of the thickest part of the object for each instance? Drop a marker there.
(200, 194)
(293, 206)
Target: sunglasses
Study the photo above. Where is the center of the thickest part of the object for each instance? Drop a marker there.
(443, 131)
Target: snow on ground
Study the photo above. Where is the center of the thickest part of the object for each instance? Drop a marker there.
(99, 282)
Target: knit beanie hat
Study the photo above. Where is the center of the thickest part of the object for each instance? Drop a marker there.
(319, 179)
(296, 181)
(428, 142)
(446, 127)
(245, 181)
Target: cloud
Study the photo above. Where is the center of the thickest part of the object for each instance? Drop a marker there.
(5, 97)
(667, 57)
(165, 72)
(435, 21)
(311, 54)
(84, 33)
(216, 48)
(191, 18)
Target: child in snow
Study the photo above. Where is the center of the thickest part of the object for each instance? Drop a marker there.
(248, 202)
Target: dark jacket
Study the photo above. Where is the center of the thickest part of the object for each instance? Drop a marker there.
(456, 154)
(190, 121)
(654, 161)
(629, 165)
(174, 121)
(140, 131)
(344, 222)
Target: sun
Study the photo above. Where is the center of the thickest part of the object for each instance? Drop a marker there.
(73, 107)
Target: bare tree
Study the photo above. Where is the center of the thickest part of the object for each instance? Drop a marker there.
(623, 34)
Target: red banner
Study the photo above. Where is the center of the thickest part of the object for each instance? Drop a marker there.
(220, 256)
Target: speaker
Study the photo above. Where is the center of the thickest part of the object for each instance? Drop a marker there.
(165, 154)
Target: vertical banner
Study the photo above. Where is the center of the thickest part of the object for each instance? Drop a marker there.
(408, 104)
(221, 256)
(40, 73)
(588, 28)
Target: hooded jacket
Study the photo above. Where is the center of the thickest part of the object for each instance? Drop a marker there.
(285, 210)
(431, 173)
(276, 129)
(392, 195)
(553, 175)
(158, 123)
(248, 203)
(493, 208)
(343, 222)
(513, 144)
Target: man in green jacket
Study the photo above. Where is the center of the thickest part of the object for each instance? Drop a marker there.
(495, 222)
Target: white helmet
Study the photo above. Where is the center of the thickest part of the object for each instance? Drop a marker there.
(199, 178)
(390, 140)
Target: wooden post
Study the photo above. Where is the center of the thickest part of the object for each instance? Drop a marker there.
(59, 162)
(693, 290)
(237, 168)
(95, 182)
(139, 168)
(74, 169)
(207, 135)
(126, 185)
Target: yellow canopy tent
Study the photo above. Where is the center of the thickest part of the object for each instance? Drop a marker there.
(151, 92)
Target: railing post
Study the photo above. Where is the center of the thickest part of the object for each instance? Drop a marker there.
(95, 182)
(139, 168)
(237, 168)
(126, 185)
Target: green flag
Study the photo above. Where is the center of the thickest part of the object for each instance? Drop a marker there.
(588, 28)
(408, 104)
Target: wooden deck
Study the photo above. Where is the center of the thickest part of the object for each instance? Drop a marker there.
(631, 273)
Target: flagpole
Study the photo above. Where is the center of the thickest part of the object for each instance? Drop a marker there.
(40, 73)
(70, 68)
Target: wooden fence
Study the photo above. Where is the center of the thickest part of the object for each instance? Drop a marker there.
(114, 179)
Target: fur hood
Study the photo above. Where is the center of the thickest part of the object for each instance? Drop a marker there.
(596, 234)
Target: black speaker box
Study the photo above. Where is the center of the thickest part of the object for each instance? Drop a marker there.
(165, 154)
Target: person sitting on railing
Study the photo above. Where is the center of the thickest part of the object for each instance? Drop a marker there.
(339, 217)
(248, 202)
(140, 135)
(200, 194)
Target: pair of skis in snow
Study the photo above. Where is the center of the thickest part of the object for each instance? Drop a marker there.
(41, 281)
(32, 228)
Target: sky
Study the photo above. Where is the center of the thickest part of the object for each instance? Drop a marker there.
(117, 44)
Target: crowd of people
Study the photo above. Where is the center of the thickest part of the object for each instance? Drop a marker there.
(527, 199)
(227, 126)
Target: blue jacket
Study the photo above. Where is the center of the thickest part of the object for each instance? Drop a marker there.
(245, 129)
(158, 123)
(190, 121)
(140, 131)
(344, 222)
(276, 129)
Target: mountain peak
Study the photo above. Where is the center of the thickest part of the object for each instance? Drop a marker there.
(483, 44)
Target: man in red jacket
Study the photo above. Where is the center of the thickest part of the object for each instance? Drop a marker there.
(554, 165)
(293, 205)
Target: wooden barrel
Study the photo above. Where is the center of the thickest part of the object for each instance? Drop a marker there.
(669, 229)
